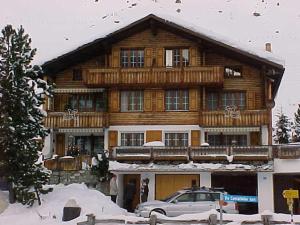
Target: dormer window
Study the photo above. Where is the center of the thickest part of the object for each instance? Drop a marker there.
(177, 57)
(131, 58)
(77, 74)
(232, 71)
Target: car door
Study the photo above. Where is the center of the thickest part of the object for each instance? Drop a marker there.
(182, 204)
(203, 202)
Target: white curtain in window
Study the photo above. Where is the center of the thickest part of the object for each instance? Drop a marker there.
(124, 101)
(169, 58)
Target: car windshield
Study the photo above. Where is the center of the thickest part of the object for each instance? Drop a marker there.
(170, 197)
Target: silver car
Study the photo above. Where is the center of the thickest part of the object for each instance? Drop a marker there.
(186, 201)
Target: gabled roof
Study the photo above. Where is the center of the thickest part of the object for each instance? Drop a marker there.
(182, 28)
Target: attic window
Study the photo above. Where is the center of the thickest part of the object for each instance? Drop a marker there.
(233, 71)
(77, 74)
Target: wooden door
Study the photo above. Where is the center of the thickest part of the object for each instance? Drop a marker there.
(167, 184)
(137, 180)
(60, 144)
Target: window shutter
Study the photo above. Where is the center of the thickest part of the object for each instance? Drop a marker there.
(116, 57)
(147, 101)
(254, 138)
(160, 101)
(169, 58)
(193, 56)
(193, 100)
(148, 57)
(251, 100)
(195, 138)
(114, 101)
(153, 135)
(60, 144)
(160, 57)
(112, 139)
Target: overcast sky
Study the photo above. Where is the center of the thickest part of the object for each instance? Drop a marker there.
(58, 26)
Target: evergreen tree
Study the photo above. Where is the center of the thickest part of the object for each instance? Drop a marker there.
(296, 126)
(22, 93)
(282, 129)
(100, 166)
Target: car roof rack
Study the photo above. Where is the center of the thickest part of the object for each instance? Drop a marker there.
(203, 188)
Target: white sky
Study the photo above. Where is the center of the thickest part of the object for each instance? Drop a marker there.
(58, 26)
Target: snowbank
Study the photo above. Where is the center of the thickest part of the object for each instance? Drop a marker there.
(50, 212)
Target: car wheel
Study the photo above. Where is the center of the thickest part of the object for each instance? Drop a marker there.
(161, 211)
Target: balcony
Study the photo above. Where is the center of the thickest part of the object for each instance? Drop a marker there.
(163, 76)
(196, 154)
(288, 152)
(247, 118)
(68, 163)
(79, 120)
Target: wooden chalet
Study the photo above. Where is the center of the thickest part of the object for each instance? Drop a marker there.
(157, 81)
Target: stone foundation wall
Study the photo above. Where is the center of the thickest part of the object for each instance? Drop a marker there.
(81, 176)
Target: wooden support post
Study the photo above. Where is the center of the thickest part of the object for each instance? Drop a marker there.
(212, 219)
(153, 219)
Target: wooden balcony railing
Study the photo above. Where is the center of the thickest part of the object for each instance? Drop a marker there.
(211, 153)
(162, 76)
(288, 152)
(83, 119)
(247, 118)
(68, 163)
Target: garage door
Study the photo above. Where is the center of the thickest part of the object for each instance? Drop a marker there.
(166, 184)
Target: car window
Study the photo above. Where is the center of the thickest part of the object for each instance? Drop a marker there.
(170, 197)
(203, 197)
(215, 196)
(188, 197)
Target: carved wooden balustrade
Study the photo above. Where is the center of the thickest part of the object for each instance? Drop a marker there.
(156, 76)
(247, 118)
(84, 119)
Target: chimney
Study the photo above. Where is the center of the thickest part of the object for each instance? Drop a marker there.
(268, 47)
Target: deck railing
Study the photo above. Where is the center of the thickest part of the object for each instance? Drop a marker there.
(210, 75)
(247, 118)
(83, 119)
(211, 153)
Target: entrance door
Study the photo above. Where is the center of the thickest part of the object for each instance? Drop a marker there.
(167, 184)
(60, 144)
(136, 179)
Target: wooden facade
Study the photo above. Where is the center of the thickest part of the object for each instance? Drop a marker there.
(204, 72)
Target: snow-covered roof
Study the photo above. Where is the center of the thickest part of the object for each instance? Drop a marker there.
(181, 26)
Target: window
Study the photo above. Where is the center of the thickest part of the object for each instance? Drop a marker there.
(87, 102)
(234, 99)
(176, 139)
(132, 58)
(200, 197)
(77, 74)
(217, 101)
(176, 100)
(85, 145)
(131, 101)
(132, 139)
(212, 101)
(233, 71)
(177, 57)
(188, 197)
(227, 140)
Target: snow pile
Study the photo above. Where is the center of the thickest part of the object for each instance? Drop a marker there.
(154, 144)
(51, 210)
(191, 166)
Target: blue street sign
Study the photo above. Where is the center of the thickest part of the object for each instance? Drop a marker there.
(239, 198)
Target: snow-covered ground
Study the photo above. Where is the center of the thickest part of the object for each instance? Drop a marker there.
(92, 201)
(51, 210)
